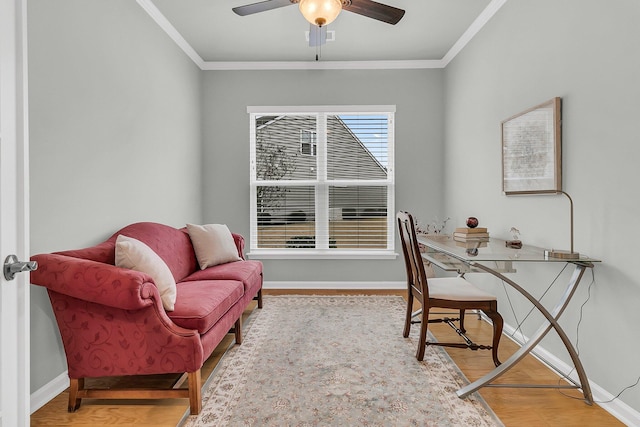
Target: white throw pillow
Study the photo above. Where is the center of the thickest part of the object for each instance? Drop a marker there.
(213, 244)
(135, 255)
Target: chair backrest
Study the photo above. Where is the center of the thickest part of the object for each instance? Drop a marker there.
(416, 275)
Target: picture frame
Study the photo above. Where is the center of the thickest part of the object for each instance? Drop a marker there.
(531, 150)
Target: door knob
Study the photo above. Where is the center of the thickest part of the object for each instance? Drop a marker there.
(13, 266)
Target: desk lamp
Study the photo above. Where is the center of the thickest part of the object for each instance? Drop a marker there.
(555, 253)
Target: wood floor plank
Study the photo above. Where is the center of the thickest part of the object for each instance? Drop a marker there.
(515, 407)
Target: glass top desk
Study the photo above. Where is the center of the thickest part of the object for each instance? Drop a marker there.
(496, 258)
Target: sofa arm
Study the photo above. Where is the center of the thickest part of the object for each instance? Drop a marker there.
(94, 281)
(239, 241)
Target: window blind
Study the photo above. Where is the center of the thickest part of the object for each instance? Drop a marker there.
(322, 181)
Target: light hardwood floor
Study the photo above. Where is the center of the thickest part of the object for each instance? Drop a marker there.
(514, 407)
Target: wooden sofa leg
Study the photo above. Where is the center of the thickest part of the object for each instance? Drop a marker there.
(75, 385)
(238, 330)
(195, 392)
(259, 298)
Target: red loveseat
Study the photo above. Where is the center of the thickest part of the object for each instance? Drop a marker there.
(113, 323)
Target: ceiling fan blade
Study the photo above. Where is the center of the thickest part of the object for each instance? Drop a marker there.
(317, 35)
(262, 6)
(371, 9)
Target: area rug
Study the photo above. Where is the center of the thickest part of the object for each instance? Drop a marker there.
(335, 361)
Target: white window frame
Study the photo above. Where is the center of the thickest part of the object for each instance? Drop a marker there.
(312, 142)
(322, 251)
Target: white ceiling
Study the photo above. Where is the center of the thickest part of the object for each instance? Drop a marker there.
(211, 33)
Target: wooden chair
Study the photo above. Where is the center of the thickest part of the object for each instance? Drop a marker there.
(443, 292)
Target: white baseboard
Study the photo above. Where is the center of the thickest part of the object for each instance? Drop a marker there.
(46, 393)
(334, 285)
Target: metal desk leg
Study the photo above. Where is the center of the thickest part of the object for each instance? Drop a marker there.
(551, 322)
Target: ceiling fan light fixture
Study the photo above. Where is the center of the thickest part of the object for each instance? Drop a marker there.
(320, 12)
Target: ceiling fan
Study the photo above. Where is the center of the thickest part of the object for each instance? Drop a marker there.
(323, 12)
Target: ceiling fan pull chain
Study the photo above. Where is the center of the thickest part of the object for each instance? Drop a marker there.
(318, 31)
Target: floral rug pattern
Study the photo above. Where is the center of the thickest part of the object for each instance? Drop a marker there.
(335, 361)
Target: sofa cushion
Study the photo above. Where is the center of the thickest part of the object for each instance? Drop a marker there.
(171, 244)
(200, 304)
(135, 255)
(213, 244)
(243, 271)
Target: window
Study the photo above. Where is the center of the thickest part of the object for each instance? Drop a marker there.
(308, 142)
(322, 181)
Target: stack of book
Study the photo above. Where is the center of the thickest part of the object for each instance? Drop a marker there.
(471, 235)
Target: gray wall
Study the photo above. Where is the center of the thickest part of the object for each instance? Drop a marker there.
(418, 96)
(115, 137)
(585, 52)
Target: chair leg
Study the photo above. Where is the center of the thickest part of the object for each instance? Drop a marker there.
(422, 341)
(75, 385)
(464, 331)
(407, 322)
(195, 392)
(498, 322)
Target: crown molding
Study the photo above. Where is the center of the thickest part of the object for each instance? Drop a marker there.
(473, 29)
(171, 31)
(466, 37)
(321, 65)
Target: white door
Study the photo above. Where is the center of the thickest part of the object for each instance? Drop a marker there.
(14, 224)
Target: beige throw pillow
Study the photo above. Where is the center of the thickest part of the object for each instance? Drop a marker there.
(213, 244)
(135, 255)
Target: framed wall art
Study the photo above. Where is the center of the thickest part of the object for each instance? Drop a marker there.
(531, 150)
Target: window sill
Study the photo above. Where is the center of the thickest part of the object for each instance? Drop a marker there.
(320, 254)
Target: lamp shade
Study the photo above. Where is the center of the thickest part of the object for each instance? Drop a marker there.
(320, 12)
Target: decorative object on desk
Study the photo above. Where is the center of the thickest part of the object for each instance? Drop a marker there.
(515, 243)
(531, 150)
(472, 222)
(434, 227)
(515, 233)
